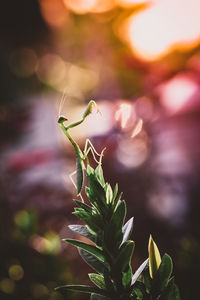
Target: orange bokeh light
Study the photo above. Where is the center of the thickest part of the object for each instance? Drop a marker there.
(88, 6)
(128, 3)
(53, 12)
(162, 27)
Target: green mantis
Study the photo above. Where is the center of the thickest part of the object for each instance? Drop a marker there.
(80, 156)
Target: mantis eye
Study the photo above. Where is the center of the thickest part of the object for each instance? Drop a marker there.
(62, 120)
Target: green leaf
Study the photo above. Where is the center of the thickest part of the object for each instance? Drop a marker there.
(123, 259)
(116, 201)
(127, 230)
(89, 219)
(171, 293)
(126, 277)
(99, 174)
(154, 257)
(92, 261)
(115, 193)
(165, 271)
(139, 293)
(108, 282)
(81, 288)
(89, 248)
(98, 280)
(113, 230)
(90, 170)
(84, 206)
(109, 194)
(147, 280)
(139, 271)
(83, 231)
(96, 195)
(119, 215)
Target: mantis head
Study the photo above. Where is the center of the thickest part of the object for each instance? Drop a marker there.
(61, 120)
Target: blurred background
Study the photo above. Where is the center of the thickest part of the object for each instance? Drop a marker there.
(140, 61)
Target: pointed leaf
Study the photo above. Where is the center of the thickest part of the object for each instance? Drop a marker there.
(83, 231)
(81, 288)
(123, 259)
(115, 193)
(127, 230)
(84, 206)
(109, 194)
(165, 271)
(89, 248)
(98, 280)
(139, 271)
(90, 170)
(92, 261)
(116, 201)
(87, 218)
(99, 174)
(119, 215)
(154, 257)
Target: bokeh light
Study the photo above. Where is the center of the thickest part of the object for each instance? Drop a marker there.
(137, 129)
(86, 6)
(176, 92)
(23, 62)
(48, 244)
(39, 290)
(132, 153)
(7, 286)
(162, 27)
(54, 12)
(129, 3)
(16, 272)
(123, 114)
(51, 69)
(140, 61)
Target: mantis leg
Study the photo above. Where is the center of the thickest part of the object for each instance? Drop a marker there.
(93, 151)
(72, 180)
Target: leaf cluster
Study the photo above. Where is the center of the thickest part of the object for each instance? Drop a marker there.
(109, 251)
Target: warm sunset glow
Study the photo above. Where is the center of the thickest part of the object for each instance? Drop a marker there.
(163, 26)
(177, 92)
(53, 12)
(123, 114)
(87, 6)
(128, 3)
(137, 129)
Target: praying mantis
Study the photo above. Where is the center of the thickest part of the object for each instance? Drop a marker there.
(81, 156)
